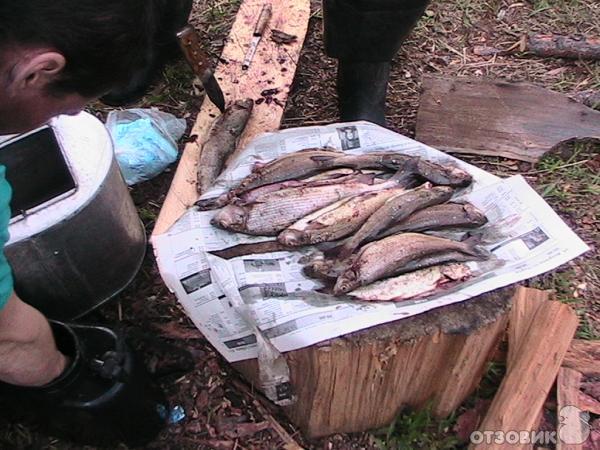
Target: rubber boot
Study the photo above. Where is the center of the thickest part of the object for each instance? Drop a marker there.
(103, 397)
(174, 15)
(365, 35)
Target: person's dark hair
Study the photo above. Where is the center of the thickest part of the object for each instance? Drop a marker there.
(104, 41)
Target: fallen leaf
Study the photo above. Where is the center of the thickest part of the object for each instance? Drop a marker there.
(247, 429)
(176, 330)
(555, 72)
(482, 50)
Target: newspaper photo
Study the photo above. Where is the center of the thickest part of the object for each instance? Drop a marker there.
(237, 303)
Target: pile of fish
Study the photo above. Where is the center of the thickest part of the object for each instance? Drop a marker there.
(368, 215)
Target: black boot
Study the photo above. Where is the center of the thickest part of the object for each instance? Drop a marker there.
(102, 398)
(365, 35)
(172, 16)
(361, 88)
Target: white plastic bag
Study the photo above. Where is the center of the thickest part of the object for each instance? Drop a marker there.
(145, 141)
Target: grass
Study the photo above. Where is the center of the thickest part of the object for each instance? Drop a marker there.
(417, 430)
(569, 181)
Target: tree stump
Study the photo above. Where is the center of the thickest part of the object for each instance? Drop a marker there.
(362, 380)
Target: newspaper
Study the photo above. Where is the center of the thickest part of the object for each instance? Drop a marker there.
(229, 300)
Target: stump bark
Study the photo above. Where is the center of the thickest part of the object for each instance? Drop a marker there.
(362, 380)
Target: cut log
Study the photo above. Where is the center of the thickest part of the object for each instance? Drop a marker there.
(528, 380)
(584, 356)
(569, 430)
(273, 68)
(525, 305)
(514, 120)
(362, 380)
(559, 46)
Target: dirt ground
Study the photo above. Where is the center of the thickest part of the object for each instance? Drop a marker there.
(451, 39)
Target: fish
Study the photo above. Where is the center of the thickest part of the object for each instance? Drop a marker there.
(330, 269)
(308, 162)
(383, 258)
(414, 285)
(253, 195)
(448, 215)
(221, 142)
(275, 211)
(396, 209)
(249, 249)
(291, 166)
(445, 175)
(337, 220)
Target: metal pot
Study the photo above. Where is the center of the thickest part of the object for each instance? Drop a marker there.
(76, 248)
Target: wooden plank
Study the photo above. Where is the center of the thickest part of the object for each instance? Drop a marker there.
(524, 306)
(567, 395)
(527, 382)
(273, 67)
(514, 120)
(584, 356)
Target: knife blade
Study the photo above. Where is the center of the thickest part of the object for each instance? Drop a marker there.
(200, 63)
(261, 24)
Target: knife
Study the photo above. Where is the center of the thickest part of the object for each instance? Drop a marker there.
(263, 19)
(198, 60)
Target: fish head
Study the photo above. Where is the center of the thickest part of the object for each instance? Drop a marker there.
(346, 282)
(232, 217)
(474, 214)
(398, 162)
(292, 238)
(443, 174)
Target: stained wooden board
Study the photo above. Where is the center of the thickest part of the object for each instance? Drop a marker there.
(273, 67)
(514, 120)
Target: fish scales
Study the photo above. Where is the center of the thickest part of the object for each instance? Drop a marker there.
(382, 258)
(336, 221)
(449, 215)
(414, 285)
(394, 209)
(275, 211)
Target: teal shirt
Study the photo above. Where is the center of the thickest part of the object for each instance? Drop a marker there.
(6, 279)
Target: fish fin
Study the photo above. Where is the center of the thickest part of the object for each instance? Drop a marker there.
(208, 204)
(317, 149)
(323, 158)
(258, 165)
(473, 243)
(332, 252)
(407, 179)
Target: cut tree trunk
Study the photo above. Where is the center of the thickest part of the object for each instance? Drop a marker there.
(362, 380)
(559, 46)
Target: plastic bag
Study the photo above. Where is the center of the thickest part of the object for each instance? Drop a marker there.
(145, 141)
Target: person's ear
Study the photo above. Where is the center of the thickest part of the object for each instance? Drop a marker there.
(38, 71)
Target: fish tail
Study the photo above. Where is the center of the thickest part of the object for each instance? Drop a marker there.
(473, 247)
